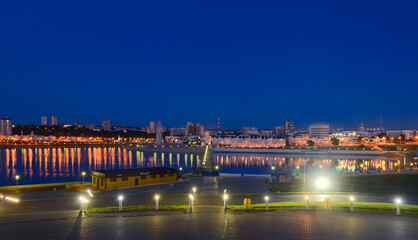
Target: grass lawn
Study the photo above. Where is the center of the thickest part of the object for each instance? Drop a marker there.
(358, 206)
(137, 207)
(393, 184)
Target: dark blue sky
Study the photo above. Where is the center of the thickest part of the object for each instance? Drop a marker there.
(339, 62)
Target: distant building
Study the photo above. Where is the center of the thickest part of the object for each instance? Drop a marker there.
(288, 127)
(361, 127)
(178, 132)
(250, 130)
(195, 129)
(319, 131)
(54, 121)
(152, 127)
(278, 130)
(6, 127)
(90, 126)
(158, 131)
(106, 125)
(44, 121)
(248, 141)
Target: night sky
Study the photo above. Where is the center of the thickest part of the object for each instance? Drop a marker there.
(336, 62)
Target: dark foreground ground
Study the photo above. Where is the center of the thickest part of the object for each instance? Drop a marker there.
(209, 222)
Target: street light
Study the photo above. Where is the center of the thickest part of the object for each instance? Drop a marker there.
(191, 198)
(225, 202)
(157, 202)
(120, 198)
(17, 180)
(84, 174)
(267, 202)
(194, 191)
(307, 202)
(180, 170)
(398, 206)
(216, 167)
(351, 204)
(82, 201)
(89, 191)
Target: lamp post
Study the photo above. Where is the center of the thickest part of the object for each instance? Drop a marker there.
(120, 198)
(398, 206)
(84, 174)
(307, 202)
(191, 198)
(180, 170)
(351, 204)
(82, 201)
(225, 202)
(157, 202)
(17, 180)
(194, 191)
(267, 202)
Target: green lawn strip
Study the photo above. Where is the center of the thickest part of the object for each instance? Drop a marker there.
(145, 194)
(284, 193)
(138, 207)
(358, 206)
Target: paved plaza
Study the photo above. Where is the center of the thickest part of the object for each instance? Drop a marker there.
(209, 223)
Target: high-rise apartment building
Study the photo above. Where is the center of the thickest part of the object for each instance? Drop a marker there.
(6, 127)
(54, 121)
(106, 125)
(44, 121)
(152, 127)
(288, 127)
(319, 131)
(195, 129)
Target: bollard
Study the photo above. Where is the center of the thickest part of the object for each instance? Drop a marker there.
(157, 202)
(398, 206)
(120, 202)
(267, 202)
(225, 202)
(352, 204)
(247, 204)
(307, 202)
(191, 198)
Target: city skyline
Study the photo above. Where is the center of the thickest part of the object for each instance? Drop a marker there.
(308, 63)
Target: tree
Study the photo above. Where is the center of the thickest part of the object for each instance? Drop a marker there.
(335, 141)
(310, 143)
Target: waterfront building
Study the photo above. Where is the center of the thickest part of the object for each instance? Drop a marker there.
(195, 129)
(288, 127)
(250, 130)
(6, 127)
(54, 121)
(118, 178)
(152, 127)
(319, 131)
(106, 125)
(158, 131)
(278, 130)
(361, 127)
(248, 141)
(178, 132)
(44, 121)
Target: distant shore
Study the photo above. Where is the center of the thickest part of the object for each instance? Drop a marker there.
(40, 145)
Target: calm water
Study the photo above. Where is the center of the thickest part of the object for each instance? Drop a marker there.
(43, 165)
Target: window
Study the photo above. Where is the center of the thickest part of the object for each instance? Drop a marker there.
(153, 176)
(113, 179)
(162, 175)
(170, 174)
(144, 177)
(124, 179)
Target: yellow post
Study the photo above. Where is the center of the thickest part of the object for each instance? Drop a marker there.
(327, 203)
(247, 204)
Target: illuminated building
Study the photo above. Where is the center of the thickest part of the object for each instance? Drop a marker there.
(6, 127)
(248, 141)
(54, 121)
(110, 179)
(319, 131)
(44, 121)
(106, 125)
(152, 127)
(195, 129)
(361, 127)
(178, 131)
(288, 127)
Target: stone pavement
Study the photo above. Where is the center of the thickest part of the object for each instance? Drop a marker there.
(209, 223)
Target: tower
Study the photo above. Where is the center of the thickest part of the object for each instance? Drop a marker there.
(219, 122)
(158, 129)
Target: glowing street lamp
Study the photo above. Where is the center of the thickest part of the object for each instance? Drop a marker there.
(225, 202)
(181, 169)
(307, 202)
(272, 168)
(82, 200)
(191, 198)
(398, 206)
(216, 167)
(351, 204)
(322, 183)
(120, 198)
(267, 202)
(89, 192)
(157, 202)
(84, 174)
(194, 191)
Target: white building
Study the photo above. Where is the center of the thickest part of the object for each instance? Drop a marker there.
(106, 125)
(319, 131)
(6, 127)
(248, 141)
(44, 121)
(152, 127)
(54, 121)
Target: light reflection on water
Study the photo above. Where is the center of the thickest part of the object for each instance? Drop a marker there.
(44, 165)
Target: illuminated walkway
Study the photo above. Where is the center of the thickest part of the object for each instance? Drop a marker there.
(209, 223)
